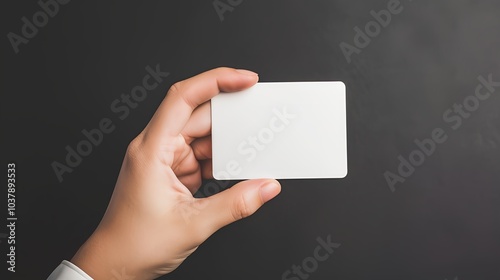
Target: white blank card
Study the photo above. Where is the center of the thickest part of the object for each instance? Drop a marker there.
(280, 130)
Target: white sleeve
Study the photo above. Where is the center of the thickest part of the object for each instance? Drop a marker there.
(68, 271)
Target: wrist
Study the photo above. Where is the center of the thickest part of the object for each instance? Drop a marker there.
(101, 257)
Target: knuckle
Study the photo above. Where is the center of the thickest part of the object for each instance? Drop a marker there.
(221, 69)
(181, 90)
(134, 149)
(241, 209)
(199, 152)
(176, 88)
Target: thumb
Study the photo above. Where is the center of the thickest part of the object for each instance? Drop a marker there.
(238, 202)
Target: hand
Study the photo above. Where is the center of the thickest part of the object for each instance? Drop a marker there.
(153, 222)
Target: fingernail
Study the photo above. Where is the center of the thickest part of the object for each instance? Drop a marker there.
(247, 72)
(269, 190)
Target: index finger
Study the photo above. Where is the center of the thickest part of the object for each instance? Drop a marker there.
(184, 96)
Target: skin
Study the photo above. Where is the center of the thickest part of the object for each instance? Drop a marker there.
(153, 222)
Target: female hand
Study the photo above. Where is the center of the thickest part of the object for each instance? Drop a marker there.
(153, 222)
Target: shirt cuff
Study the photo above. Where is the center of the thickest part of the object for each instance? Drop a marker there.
(68, 271)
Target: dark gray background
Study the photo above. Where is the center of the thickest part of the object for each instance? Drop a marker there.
(442, 223)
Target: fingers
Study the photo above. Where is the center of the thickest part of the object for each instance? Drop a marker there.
(199, 124)
(196, 165)
(206, 169)
(202, 148)
(186, 165)
(183, 97)
(240, 201)
(191, 181)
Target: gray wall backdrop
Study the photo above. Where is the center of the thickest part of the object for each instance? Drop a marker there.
(405, 77)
